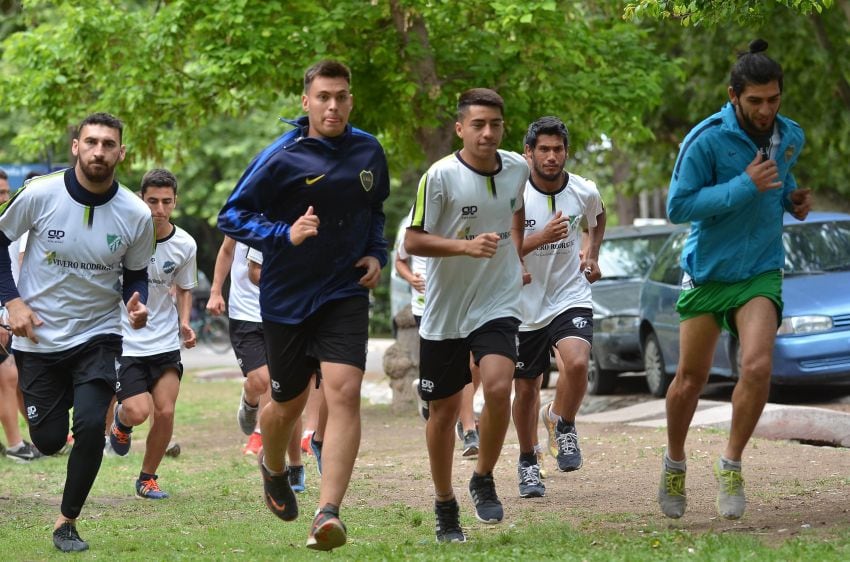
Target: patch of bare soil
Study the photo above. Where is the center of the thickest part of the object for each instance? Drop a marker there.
(792, 489)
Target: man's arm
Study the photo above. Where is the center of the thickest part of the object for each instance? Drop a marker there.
(589, 264)
(223, 262)
(421, 243)
(556, 229)
(184, 314)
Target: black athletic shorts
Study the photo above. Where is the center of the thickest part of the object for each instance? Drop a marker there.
(248, 344)
(47, 379)
(444, 364)
(338, 332)
(535, 346)
(139, 374)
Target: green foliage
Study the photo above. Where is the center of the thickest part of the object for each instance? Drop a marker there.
(711, 12)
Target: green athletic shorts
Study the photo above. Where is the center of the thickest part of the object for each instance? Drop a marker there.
(723, 299)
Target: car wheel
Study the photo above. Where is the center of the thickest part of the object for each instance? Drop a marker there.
(657, 378)
(599, 381)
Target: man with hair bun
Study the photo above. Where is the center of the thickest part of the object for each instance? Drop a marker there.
(732, 181)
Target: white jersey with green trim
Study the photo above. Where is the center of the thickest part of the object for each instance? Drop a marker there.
(174, 264)
(454, 201)
(244, 300)
(557, 282)
(418, 265)
(70, 276)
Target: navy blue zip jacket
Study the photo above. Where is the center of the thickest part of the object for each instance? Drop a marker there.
(346, 181)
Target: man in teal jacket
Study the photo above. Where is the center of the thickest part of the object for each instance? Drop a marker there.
(732, 182)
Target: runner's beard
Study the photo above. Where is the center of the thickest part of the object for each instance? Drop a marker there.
(97, 176)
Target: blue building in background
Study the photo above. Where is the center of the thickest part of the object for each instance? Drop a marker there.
(18, 172)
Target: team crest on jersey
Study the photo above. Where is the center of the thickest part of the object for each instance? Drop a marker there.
(168, 266)
(366, 179)
(789, 152)
(114, 241)
(50, 257)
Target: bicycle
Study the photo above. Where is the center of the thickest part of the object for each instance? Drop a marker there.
(212, 330)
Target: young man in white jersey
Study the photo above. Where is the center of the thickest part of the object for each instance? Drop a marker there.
(557, 310)
(89, 245)
(246, 338)
(468, 220)
(150, 366)
(17, 449)
(413, 270)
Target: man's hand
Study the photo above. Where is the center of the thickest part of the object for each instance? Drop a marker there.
(305, 227)
(801, 200)
(215, 305)
(556, 229)
(22, 319)
(483, 245)
(418, 283)
(763, 173)
(137, 312)
(591, 269)
(373, 271)
(189, 338)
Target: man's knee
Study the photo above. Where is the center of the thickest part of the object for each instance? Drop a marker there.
(135, 410)
(49, 438)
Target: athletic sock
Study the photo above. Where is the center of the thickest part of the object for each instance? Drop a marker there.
(726, 464)
(530, 458)
(553, 417)
(16, 448)
(272, 472)
(678, 465)
(145, 476)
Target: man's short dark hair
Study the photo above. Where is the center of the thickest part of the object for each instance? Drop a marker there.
(159, 177)
(327, 69)
(104, 119)
(754, 67)
(3, 174)
(548, 125)
(479, 96)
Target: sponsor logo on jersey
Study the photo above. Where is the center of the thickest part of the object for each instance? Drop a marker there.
(311, 181)
(426, 386)
(114, 241)
(50, 257)
(32, 412)
(579, 322)
(367, 179)
(169, 266)
(529, 224)
(468, 212)
(55, 235)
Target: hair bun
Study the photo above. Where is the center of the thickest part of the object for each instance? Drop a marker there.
(758, 46)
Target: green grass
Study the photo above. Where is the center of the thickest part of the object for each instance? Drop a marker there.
(216, 512)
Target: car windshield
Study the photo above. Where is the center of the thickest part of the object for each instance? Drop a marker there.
(626, 258)
(816, 247)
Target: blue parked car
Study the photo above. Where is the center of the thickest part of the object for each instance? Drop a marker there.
(813, 342)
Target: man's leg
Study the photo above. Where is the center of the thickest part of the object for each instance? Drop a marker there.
(341, 384)
(9, 402)
(440, 439)
(277, 421)
(164, 393)
(524, 409)
(496, 380)
(697, 340)
(572, 381)
(256, 394)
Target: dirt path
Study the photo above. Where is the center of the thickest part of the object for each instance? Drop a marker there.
(791, 488)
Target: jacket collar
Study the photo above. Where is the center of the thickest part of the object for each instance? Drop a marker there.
(303, 125)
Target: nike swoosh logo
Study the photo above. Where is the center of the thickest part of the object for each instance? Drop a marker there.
(311, 181)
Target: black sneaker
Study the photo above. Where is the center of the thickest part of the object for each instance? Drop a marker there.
(470, 443)
(482, 490)
(569, 455)
(25, 453)
(66, 539)
(277, 492)
(530, 485)
(297, 478)
(328, 531)
(448, 522)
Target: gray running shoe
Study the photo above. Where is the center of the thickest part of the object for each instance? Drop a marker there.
(569, 454)
(459, 429)
(731, 501)
(530, 485)
(470, 443)
(25, 453)
(66, 539)
(448, 522)
(421, 405)
(671, 491)
(482, 490)
(247, 415)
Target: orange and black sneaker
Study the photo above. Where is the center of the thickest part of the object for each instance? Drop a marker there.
(149, 489)
(277, 492)
(254, 444)
(327, 531)
(118, 438)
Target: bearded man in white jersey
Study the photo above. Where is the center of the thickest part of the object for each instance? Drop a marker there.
(557, 310)
(150, 365)
(468, 220)
(89, 244)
